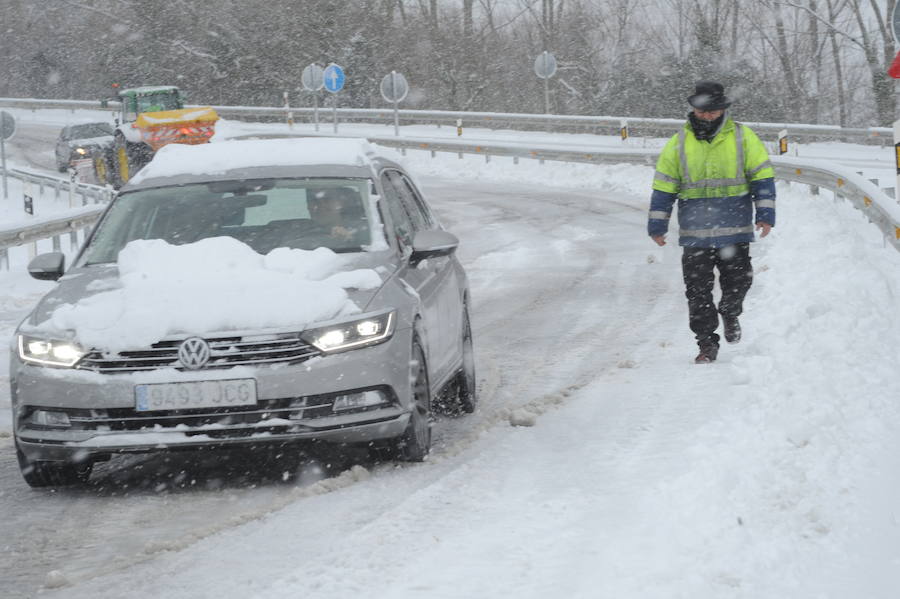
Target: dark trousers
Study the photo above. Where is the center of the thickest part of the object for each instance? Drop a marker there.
(735, 278)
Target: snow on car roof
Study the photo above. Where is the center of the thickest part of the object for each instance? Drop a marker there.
(217, 158)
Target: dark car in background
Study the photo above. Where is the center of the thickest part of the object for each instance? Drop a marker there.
(84, 140)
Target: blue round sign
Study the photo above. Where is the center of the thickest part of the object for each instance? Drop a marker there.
(334, 78)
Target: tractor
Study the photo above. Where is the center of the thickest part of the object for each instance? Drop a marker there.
(150, 118)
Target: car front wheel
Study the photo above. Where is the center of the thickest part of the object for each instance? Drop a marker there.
(465, 380)
(415, 442)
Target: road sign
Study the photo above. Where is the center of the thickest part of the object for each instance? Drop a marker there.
(545, 65)
(334, 78)
(313, 78)
(894, 69)
(7, 125)
(394, 87)
(897, 158)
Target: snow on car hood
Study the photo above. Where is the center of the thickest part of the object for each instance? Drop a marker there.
(214, 285)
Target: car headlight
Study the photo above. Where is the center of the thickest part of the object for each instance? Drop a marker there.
(352, 334)
(81, 151)
(49, 352)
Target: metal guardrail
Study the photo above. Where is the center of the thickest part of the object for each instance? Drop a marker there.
(878, 207)
(54, 227)
(486, 119)
(867, 197)
(96, 193)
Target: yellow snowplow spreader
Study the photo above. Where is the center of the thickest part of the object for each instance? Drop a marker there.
(184, 126)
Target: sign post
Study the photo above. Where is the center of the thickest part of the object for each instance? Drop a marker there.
(545, 67)
(623, 130)
(28, 199)
(313, 80)
(287, 110)
(7, 130)
(334, 82)
(782, 142)
(394, 88)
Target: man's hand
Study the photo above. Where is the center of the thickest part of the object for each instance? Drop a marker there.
(659, 239)
(764, 227)
(342, 233)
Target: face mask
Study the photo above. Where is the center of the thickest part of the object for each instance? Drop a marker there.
(705, 130)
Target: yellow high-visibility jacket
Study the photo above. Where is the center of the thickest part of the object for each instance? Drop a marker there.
(718, 185)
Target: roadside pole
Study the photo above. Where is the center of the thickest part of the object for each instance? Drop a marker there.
(3, 166)
(394, 88)
(782, 142)
(7, 130)
(313, 80)
(545, 67)
(334, 82)
(287, 109)
(28, 205)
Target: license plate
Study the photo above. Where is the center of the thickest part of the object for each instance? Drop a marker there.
(200, 394)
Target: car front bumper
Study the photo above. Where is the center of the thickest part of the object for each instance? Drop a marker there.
(294, 403)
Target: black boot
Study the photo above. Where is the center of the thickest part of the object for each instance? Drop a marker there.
(708, 353)
(732, 328)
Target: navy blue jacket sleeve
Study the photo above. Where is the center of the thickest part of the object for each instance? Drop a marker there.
(661, 204)
(763, 194)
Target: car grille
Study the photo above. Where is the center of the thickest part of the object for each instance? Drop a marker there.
(270, 415)
(225, 352)
(270, 412)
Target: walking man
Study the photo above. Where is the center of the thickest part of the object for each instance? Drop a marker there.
(720, 174)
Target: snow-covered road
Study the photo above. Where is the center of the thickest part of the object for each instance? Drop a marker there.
(772, 473)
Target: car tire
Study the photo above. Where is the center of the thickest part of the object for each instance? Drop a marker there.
(41, 473)
(415, 442)
(120, 171)
(466, 393)
(101, 169)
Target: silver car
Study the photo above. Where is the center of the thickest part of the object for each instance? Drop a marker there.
(368, 377)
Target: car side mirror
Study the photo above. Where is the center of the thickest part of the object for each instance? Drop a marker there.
(432, 244)
(47, 267)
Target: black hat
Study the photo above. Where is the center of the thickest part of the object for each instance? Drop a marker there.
(709, 95)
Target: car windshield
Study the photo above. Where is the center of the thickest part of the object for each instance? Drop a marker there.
(157, 102)
(90, 130)
(264, 214)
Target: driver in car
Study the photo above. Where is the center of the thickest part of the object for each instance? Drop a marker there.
(336, 212)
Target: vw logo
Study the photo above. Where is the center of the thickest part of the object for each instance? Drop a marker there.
(194, 353)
